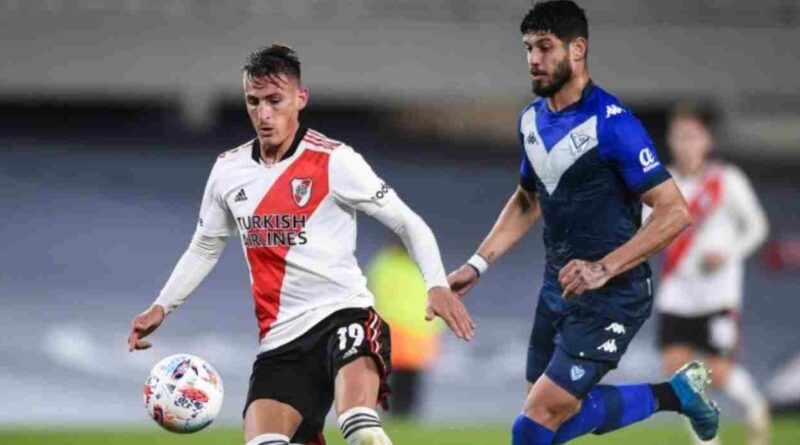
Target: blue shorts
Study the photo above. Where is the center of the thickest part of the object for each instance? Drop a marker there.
(577, 344)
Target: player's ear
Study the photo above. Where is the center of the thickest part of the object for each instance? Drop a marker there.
(302, 97)
(578, 49)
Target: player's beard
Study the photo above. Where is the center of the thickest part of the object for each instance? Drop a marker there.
(561, 75)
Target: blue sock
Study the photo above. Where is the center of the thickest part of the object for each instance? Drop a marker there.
(527, 432)
(607, 408)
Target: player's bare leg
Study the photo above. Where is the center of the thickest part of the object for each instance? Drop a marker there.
(736, 382)
(356, 389)
(550, 405)
(675, 356)
(269, 422)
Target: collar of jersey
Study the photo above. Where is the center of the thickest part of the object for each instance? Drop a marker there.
(587, 91)
(298, 137)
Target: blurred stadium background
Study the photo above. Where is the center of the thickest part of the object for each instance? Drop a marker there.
(112, 113)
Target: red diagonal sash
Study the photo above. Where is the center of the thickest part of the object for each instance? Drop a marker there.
(701, 205)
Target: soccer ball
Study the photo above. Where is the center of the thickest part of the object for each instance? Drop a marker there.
(183, 393)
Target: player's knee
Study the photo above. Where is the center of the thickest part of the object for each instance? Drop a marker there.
(361, 426)
(551, 412)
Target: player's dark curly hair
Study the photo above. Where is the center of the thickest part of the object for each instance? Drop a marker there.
(563, 18)
(273, 60)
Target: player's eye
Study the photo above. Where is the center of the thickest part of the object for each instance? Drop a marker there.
(252, 100)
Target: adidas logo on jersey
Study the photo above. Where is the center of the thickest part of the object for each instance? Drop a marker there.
(613, 110)
(609, 346)
(616, 328)
(241, 196)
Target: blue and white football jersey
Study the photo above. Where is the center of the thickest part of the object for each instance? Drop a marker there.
(588, 165)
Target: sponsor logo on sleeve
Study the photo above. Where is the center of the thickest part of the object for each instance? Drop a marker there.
(380, 194)
(648, 159)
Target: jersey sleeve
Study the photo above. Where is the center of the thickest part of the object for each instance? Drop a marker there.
(753, 225)
(215, 219)
(526, 175)
(629, 147)
(355, 184)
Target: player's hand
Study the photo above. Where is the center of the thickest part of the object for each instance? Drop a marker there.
(713, 261)
(143, 325)
(444, 303)
(463, 279)
(578, 276)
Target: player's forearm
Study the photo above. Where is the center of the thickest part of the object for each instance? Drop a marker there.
(193, 267)
(663, 225)
(418, 239)
(517, 218)
(753, 237)
(754, 229)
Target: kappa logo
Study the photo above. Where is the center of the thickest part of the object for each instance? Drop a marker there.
(580, 142)
(613, 110)
(576, 373)
(616, 328)
(301, 191)
(241, 196)
(531, 139)
(609, 346)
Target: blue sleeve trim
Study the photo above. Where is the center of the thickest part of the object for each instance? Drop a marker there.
(651, 180)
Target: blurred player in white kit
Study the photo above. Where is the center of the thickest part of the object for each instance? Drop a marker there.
(700, 295)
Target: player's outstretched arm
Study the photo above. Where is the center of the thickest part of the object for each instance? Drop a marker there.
(518, 217)
(195, 264)
(669, 217)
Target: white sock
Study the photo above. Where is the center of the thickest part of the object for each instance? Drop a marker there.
(362, 426)
(269, 439)
(741, 388)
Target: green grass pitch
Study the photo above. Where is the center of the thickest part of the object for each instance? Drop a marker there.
(786, 432)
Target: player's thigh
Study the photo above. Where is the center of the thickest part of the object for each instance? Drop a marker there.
(679, 339)
(723, 335)
(674, 356)
(357, 385)
(270, 416)
(359, 356)
(289, 393)
(541, 343)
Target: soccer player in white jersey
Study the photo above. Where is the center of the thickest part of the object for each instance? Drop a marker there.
(290, 195)
(700, 295)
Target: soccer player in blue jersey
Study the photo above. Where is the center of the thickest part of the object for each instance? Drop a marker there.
(587, 166)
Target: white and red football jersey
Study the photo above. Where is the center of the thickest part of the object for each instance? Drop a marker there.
(727, 219)
(296, 220)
